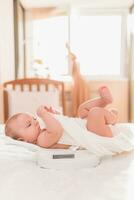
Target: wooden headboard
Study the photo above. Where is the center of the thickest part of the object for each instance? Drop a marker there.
(30, 82)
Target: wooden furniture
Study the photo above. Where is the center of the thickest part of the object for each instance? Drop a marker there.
(30, 83)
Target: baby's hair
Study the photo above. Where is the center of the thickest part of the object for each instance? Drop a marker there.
(9, 131)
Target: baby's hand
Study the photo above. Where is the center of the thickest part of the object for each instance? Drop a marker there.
(41, 111)
(44, 109)
(51, 110)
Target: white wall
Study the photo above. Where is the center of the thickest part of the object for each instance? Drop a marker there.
(6, 40)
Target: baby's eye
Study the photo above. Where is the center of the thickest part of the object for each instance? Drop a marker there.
(29, 125)
(34, 118)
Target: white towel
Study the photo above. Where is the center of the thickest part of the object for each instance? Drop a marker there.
(101, 146)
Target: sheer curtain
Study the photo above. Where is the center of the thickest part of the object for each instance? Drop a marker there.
(131, 76)
(131, 63)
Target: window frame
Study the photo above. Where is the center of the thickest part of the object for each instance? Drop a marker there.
(124, 57)
(123, 52)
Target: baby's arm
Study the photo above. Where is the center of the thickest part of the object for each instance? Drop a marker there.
(46, 140)
(53, 131)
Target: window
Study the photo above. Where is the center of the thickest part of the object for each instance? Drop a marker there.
(95, 39)
(98, 44)
(49, 50)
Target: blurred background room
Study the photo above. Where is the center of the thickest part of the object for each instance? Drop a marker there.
(83, 43)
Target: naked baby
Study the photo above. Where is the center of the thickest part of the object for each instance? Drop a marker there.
(92, 114)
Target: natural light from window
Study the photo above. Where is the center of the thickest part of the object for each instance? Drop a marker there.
(96, 41)
(49, 45)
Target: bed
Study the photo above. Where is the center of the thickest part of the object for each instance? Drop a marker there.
(24, 177)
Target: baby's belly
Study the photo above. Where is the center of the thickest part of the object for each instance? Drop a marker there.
(66, 139)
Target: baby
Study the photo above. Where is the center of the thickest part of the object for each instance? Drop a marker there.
(25, 127)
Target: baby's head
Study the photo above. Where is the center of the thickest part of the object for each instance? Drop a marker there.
(23, 127)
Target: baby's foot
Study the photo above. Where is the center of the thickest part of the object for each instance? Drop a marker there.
(105, 94)
(115, 115)
(114, 111)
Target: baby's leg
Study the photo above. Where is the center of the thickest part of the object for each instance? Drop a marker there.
(104, 99)
(98, 120)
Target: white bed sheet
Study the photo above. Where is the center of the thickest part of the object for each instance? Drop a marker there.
(112, 179)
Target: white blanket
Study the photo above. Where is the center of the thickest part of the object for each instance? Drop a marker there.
(113, 179)
(123, 139)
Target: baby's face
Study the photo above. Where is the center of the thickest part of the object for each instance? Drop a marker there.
(27, 127)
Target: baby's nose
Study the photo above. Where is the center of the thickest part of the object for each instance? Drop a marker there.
(34, 121)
